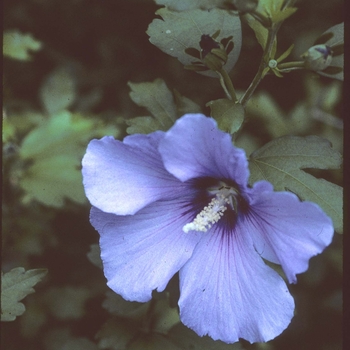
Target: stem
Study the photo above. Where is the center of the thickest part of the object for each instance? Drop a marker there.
(291, 65)
(262, 19)
(263, 64)
(227, 85)
(266, 57)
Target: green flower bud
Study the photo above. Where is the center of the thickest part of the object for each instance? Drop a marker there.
(318, 57)
(213, 61)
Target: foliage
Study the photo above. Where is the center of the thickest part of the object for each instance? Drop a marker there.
(17, 45)
(164, 106)
(16, 285)
(74, 71)
(175, 32)
(281, 160)
(54, 149)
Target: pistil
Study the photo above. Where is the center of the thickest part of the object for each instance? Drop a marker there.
(212, 213)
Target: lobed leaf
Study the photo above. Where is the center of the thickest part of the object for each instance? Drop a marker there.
(52, 180)
(58, 92)
(117, 306)
(67, 303)
(15, 285)
(164, 106)
(17, 45)
(62, 339)
(178, 31)
(281, 162)
(53, 151)
(117, 333)
(158, 100)
(228, 114)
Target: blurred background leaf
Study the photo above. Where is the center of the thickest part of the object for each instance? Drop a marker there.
(16, 285)
(18, 46)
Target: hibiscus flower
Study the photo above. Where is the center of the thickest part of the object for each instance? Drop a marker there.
(179, 201)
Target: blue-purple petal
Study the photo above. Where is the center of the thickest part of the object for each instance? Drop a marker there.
(123, 177)
(227, 291)
(194, 147)
(285, 230)
(141, 252)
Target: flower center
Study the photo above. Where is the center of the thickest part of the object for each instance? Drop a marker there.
(224, 197)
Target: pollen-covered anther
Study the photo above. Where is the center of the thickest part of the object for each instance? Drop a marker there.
(210, 214)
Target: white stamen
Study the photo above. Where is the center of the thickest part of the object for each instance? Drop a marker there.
(212, 212)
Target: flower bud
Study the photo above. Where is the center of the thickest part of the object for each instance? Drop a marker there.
(213, 53)
(318, 57)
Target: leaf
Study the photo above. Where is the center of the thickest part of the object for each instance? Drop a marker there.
(142, 125)
(281, 162)
(337, 61)
(228, 114)
(51, 180)
(58, 92)
(117, 333)
(61, 339)
(165, 316)
(54, 150)
(274, 119)
(15, 285)
(164, 106)
(274, 10)
(67, 303)
(158, 100)
(17, 45)
(178, 31)
(185, 105)
(117, 306)
(94, 255)
(186, 339)
(261, 33)
(185, 5)
(153, 342)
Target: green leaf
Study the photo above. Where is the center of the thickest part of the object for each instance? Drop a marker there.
(186, 339)
(61, 339)
(153, 342)
(15, 285)
(228, 114)
(165, 316)
(158, 100)
(142, 125)
(185, 105)
(94, 255)
(273, 10)
(178, 31)
(117, 333)
(261, 33)
(54, 150)
(58, 92)
(281, 162)
(17, 45)
(185, 5)
(337, 61)
(164, 106)
(51, 180)
(117, 306)
(67, 303)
